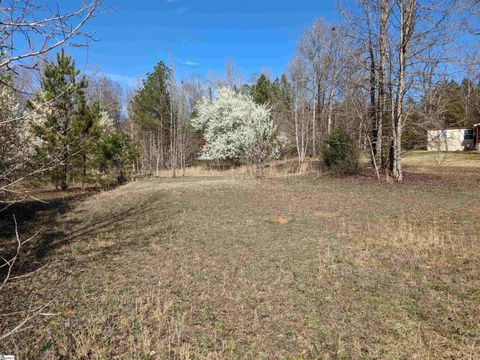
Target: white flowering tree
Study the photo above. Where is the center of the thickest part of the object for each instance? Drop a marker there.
(106, 122)
(15, 142)
(235, 128)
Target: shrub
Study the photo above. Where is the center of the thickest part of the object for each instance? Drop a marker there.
(340, 153)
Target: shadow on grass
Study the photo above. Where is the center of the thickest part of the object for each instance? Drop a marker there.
(56, 232)
(34, 216)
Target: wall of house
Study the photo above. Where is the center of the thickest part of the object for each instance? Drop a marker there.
(446, 140)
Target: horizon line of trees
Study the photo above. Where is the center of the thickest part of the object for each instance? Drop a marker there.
(383, 77)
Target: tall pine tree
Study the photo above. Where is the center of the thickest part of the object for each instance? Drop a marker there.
(152, 111)
(62, 119)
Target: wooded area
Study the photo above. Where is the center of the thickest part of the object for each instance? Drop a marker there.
(387, 73)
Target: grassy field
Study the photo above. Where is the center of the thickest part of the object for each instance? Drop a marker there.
(230, 267)
(442, 162)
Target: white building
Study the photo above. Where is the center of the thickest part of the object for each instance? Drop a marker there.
(454, 139)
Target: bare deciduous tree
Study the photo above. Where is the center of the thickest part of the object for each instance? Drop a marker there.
(29, 31)
(400, 37)
(31, 28)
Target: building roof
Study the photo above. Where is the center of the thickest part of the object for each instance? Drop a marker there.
(452, 128)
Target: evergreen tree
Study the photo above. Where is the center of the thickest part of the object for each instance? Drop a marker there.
(471, 101)
(115, 151)
(61, 120)
(454, 109)
(286, 91)
(152, 112)
(151, 105)
(461, 103)
(261, 92)
(84, 126)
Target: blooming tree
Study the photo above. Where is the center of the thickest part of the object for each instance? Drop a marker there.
(14, 134)
(105, 121)
(235, 128)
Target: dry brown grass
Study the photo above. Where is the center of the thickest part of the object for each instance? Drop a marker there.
(202, 171)
(278, 168)
(232, 267)
(436, 161)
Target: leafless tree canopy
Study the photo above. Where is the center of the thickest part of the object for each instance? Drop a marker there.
(32, 28)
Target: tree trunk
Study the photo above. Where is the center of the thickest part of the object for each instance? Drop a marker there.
(314, 118)
(297, 136)
(84, 170)
(64, 184)
(407, 10)
(330, 103)
(381, 79)
(373, 91)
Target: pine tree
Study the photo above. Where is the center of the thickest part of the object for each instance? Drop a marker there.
(152, 111)
(115, 151)
(286, 91)
(84, 125)
(261, 92)
(151, 105)
(61, 119)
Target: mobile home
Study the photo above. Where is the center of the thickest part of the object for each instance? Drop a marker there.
(454, 139)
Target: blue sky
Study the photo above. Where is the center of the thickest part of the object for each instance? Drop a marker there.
(199, 36)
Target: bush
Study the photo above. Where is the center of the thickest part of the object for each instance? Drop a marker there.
(340, 153)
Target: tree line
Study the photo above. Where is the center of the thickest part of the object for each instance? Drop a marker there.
(384, 76)
(390, 70)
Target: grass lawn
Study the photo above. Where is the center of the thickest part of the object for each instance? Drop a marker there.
(443, 162)
(229, 267)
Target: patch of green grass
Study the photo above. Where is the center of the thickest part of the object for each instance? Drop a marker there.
(47, 345)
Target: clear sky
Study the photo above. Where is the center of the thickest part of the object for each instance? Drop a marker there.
(200, 36)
